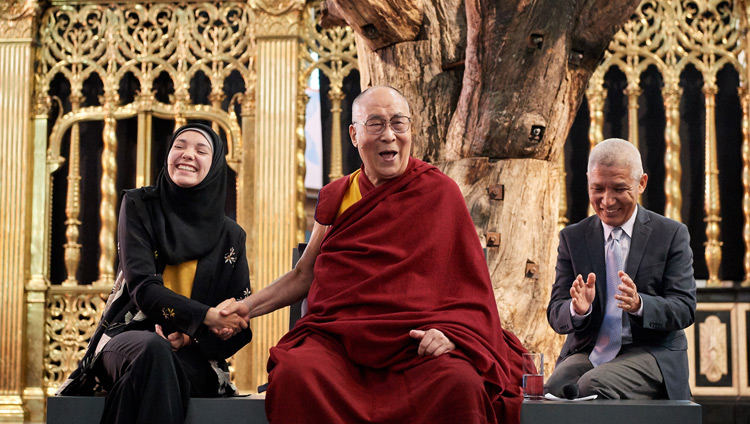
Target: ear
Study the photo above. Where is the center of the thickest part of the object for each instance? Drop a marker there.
(642, 183)
(353, 134)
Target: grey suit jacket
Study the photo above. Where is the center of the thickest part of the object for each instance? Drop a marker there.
(660, 262)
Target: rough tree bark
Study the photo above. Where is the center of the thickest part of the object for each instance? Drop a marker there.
(494, 86)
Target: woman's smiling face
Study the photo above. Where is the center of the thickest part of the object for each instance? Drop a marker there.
(189, 159)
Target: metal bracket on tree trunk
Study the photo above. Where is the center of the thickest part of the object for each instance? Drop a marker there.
(496, 192)
(493, 239)
(532, 270)
(575, 57)
(536, 133)
(535, 40)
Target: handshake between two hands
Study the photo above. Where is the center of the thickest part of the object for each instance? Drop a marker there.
(227, 318)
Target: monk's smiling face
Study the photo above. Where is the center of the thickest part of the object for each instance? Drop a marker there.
(385, 155)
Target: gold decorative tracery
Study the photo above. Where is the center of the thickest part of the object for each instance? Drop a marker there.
(335, 55)
(714, 352)
(671, 35)
(109, 42)
(146, 41)
(72, 317)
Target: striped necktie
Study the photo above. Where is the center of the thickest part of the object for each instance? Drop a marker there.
(609, 341)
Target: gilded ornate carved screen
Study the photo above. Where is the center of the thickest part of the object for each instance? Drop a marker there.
(112, 79)
(332, 50)
(671, 36)
(106, 64)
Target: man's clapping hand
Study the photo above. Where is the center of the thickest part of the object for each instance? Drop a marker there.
(582, 293)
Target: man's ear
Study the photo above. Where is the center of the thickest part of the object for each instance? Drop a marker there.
(353, 134)
(642, 183)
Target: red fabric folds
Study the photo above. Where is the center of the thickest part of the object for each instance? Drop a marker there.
(406, 256)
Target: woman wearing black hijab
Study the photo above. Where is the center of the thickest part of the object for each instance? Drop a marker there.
(179, 254)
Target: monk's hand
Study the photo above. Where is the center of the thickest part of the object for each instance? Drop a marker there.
(432, 342)
(628, 297)
(240, 308)
(582, 293)
(177, 340)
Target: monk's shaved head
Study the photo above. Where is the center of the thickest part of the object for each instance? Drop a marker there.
(357, 103)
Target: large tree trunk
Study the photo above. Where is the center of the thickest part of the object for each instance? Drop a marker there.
(494, 87)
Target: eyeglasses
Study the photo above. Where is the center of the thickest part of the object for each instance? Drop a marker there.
(376, 126)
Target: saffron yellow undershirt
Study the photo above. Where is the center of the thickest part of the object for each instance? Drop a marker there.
(179, 278)
(352, 194)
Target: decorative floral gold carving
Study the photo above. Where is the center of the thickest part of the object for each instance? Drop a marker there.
(145, 40)
(17, 18)
(284, 25)
(671, 35)
(278, 7)
(334, 52)
(713, 348)
(70, 323)
(107, 42)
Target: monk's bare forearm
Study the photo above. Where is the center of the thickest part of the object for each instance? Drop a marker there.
(289, 288)
(292, 286)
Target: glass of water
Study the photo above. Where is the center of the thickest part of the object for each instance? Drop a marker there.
(533, 376)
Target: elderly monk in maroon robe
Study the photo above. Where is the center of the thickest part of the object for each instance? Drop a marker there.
(402, 325)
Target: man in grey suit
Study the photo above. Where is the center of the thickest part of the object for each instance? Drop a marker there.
(625, 318)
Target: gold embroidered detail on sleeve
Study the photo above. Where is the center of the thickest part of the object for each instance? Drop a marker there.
(230, 257)
(168, 313)
(156, 254)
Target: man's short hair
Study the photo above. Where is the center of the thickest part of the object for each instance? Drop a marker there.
(357, 99)
(617, 152)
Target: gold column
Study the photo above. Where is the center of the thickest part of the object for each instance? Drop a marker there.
(16, 38)
(562, 220)
(275, 168)
(244, 365)
(671, 94)
(143, 150)
(336, 96)
(301, 165)
(109, 196)
(72, 199)
(216, 97)
(633, 92)
(744, 6)
(596, 94)
(743, 91)
(36, 287)
(712, 206)
(108, 204)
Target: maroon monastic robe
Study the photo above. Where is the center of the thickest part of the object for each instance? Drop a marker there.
(406, 256)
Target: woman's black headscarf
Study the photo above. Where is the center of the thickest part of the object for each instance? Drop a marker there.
(187, 222)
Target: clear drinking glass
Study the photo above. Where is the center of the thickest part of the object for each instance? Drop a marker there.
(533, 376)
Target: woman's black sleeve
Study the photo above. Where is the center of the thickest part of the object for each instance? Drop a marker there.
(138, 258)
(237, 287)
